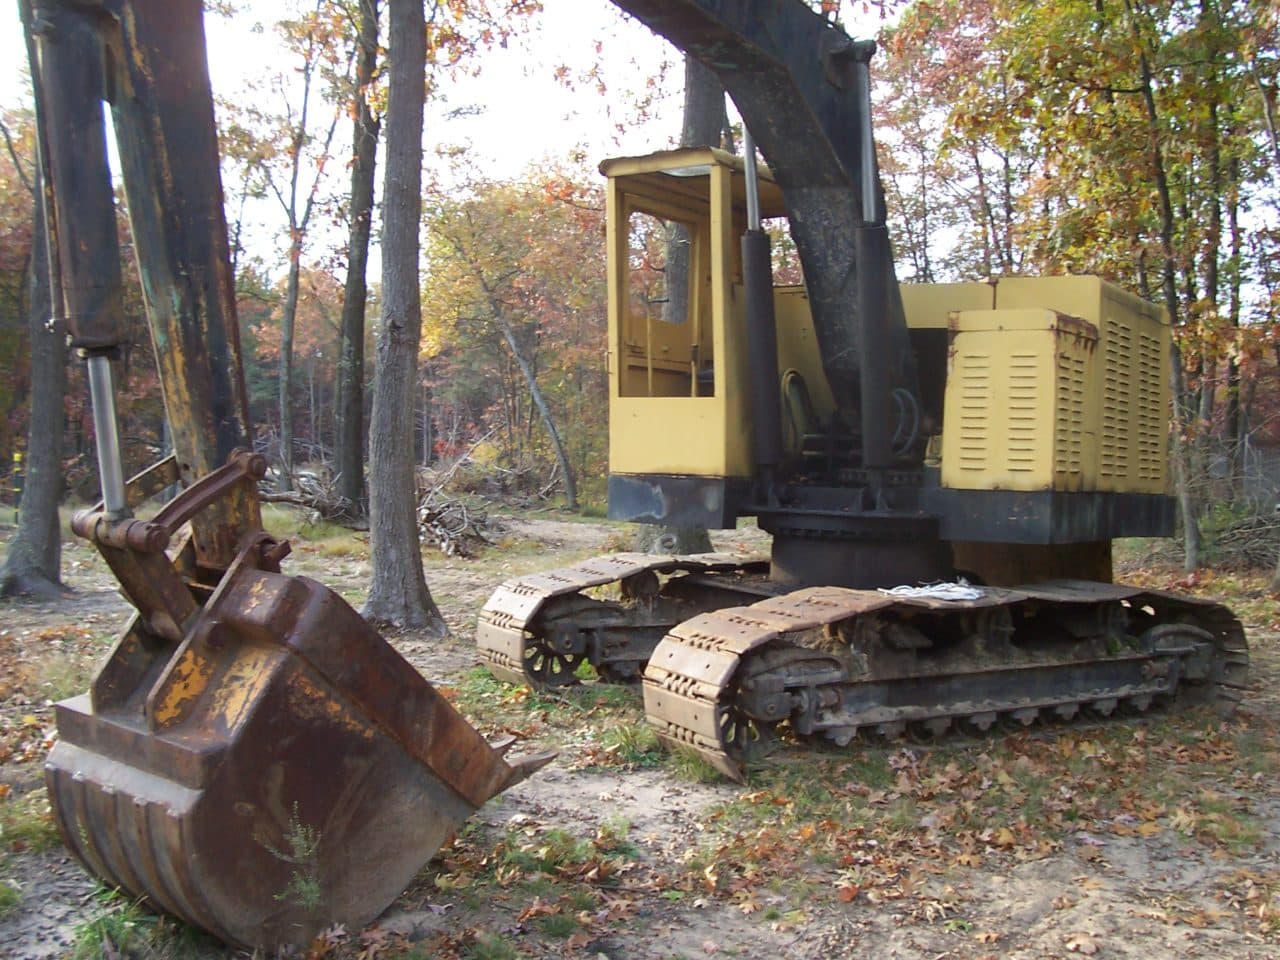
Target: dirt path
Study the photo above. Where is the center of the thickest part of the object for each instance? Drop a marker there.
(648, 861)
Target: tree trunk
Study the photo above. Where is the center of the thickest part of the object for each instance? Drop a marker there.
(1169, 284)
(286, 366)
(32, 565)
(1235, 407)
(705, 124)
(350, 440)
(398, 592)
(535, 395)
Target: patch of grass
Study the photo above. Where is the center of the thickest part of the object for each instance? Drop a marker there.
(1222, 819)
(539, 886)
(690, 765)
(480, 692)
(558, 926)
(613, 839)
(634, 743)
(352, 545)
(601, 695)
(63, 677)
(26, 823)
(295, 523)
(491, 947)
(122, 928)
(582, 898)
(548, 852)
(1257, 753)
(119, 928)
(9, 900)
(870, 768)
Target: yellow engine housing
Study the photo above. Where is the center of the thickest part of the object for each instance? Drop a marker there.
(1051, 384)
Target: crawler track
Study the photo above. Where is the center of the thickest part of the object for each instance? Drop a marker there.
(539, 628)
(831, 661)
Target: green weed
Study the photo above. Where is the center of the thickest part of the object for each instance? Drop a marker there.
(9, 899)
(26, 823)
(634, 743)
(303, 841)
(491, 947)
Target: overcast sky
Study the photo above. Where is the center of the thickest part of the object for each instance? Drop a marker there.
(513, 114)
(516, 110)
(510, 115)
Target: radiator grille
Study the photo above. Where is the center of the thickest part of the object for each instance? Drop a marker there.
(1068, 446)
(1116, 400)
(975, 405)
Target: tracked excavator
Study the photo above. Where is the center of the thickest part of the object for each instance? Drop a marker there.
(990, 439)
(252, 757)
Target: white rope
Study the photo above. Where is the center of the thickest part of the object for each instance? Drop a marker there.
(960, 590)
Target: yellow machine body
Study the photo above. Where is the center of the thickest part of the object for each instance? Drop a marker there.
(1051, 384)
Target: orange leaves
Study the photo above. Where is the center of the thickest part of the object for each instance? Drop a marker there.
(848, 892)
(1003, 839)
(539, 908)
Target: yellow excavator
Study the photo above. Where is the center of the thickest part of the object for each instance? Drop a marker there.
(252, 757)
(942, 467)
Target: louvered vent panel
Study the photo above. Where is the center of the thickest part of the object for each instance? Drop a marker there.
(1116, 398)
(1068, 440)
(1023, 399)
(1150, 411)
(975, 411)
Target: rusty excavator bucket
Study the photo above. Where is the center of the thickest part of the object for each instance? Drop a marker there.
(271, 766)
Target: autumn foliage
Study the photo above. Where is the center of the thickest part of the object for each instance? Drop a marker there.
(1136, 139)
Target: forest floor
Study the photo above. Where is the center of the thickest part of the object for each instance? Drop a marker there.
(1145, 837)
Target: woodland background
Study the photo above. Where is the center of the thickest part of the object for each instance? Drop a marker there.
(1132, 139)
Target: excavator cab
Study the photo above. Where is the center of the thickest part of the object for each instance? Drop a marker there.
(678, 347)
(252, 757)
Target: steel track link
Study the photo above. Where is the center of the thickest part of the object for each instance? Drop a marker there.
(508, 635)
(706, 668)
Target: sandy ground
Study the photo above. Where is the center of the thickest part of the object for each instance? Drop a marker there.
(1122, 896)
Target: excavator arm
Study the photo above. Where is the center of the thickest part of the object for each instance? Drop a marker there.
(146, 60)
(252, 757)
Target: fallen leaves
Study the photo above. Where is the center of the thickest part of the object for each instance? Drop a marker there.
(1082, 943)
